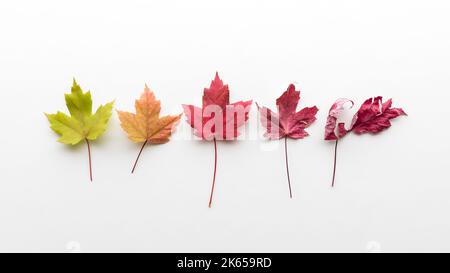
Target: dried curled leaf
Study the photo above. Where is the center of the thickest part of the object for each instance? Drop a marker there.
(331, 127)
(372, 117)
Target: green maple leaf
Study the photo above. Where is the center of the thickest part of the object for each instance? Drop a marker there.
(82, 124)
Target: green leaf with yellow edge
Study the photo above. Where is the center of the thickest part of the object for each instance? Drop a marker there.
(82, 124)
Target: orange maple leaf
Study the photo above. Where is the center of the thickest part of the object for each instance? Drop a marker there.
(146, 126)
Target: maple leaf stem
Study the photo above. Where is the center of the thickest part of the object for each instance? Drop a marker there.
(287, 166)
(214, 177)
(334, 168)
(90, 158)
(139, 155)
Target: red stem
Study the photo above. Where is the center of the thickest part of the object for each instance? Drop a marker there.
(214, 177)
(90, 158)
(287, 165)
(139, 155)
(334, 169)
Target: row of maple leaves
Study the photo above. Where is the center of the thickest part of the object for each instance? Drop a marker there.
(146, 125)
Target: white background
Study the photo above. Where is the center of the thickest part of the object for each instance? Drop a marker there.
(392, 190)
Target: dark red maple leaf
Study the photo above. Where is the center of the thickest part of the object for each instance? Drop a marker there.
(372, 117)
(218, 119)
(287, 123)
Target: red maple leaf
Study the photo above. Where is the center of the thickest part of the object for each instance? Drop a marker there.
(218, 119)
(372, 117)
(287, 123)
